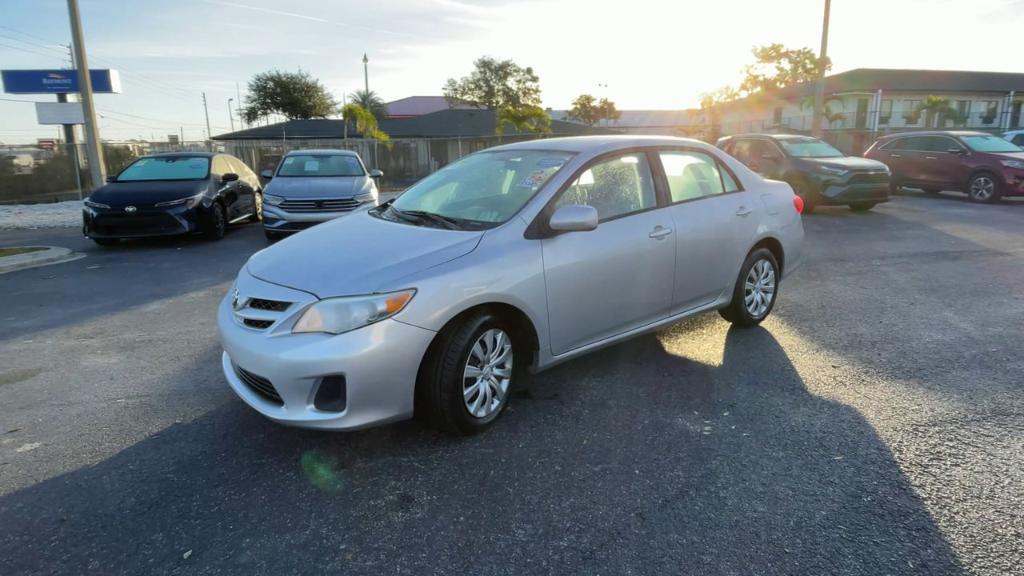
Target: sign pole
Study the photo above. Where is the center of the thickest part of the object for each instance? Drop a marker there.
(72, 148)
(92, 136)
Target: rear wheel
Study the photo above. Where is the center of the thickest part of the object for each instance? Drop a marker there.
(803, 190)
(218, 225)
(894, 186)
(753, 298)
(107, 241)
(468, 375)
(983, 188)
(862, 206)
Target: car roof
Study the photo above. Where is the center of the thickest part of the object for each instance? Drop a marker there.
(323, 151)
(769, 136)
(935, 133)
(601, 143)
(184, 154)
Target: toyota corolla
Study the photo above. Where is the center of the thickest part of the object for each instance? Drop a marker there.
(440, 302)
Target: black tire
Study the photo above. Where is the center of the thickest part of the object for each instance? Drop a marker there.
(736, 312)
(257, 209)
(931, 191)
(440, 402)
(977, 191)
(271, 236)
(218, 225)
(107, 241)
(862, 206)
(894, 187)
(803, 190)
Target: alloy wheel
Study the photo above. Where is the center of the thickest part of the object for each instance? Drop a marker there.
(488, 373)
(982, 188)
(759, 288)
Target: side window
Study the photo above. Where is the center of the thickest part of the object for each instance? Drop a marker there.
(741, 151)
(614, 187)
(728, 182)
(691, 175)
(940, 144)
(1018, 140)
(897, 144)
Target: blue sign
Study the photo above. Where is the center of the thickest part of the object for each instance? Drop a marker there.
(58, 81)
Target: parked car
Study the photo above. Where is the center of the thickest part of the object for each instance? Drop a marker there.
(984, 166)
(170, 194)
(817, 171)
(508, 261)
(1015, 136)
(313, 186)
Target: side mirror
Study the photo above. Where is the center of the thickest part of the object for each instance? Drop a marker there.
(111, 178)
(376, 174)
(267, 174)
(574, 218)
(229, 177)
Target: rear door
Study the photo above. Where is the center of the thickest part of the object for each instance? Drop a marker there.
(941, 168)
(715, 221)
(903, 160)
(619, 276)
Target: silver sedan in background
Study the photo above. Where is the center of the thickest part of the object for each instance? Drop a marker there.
(511, 260)
(313, 186)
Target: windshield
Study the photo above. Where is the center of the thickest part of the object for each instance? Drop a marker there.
(488, 187)
(314, 165)
(809, 148)
(990, 144)
(166, 168)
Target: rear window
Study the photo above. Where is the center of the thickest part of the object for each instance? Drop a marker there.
(313, 165)
(166, 168)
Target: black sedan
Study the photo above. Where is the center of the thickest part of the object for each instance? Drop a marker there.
(817, 172)
(171, 194)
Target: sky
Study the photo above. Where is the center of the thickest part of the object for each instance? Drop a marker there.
(641, 54)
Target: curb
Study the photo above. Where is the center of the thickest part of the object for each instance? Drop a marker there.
(52, 255)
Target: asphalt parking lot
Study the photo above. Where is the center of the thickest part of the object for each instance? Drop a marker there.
(873, 425)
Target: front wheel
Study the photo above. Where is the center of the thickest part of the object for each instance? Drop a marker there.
(756, 289)
(862, 206)
(983, 188)
(467, 378)
(218, 225)
(257, 208)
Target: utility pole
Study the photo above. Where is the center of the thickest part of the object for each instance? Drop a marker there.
(230, 115)
(69, 133)
(819, 90)
(238, 95)
(94, 150)
(366, 74)
(181, 136)
(209, 135)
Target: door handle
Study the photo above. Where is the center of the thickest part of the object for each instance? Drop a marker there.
(930, 158)
(743, 211)
(895, 156)
(659, 232)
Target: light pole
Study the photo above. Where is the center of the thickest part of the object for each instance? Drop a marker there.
(230, 115)
(819, 90)
(366, 74)
(94, 149)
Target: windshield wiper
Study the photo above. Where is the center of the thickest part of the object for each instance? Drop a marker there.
(445, 221)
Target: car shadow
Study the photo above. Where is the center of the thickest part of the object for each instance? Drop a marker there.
(631, 460)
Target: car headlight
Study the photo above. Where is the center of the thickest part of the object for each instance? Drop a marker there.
(187, 202)
(92, 204)
(272, 200)
(833, 171)
(368, 197)
(337, 315)
(1013, 164)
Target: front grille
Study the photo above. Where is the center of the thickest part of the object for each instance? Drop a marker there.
(259, 385)
(320, 205)
(869, 178)
(271, 305)
(116, 224)
(257, 324)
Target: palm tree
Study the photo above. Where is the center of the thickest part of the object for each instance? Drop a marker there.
(365, 122)
(826, 110)
(370, 101)
(937, 111)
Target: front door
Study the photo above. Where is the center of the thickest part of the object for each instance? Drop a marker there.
(619, 276)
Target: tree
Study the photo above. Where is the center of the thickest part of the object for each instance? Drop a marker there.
(365, 122)
(937, 111)
(495, 84)
(295, 95)
(525, 119)
(776, 66)
(827, 113)
(588, 110)
(370, 101)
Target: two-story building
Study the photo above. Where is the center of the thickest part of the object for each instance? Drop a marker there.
(865, 103)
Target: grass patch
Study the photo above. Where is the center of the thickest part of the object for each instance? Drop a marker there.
(20, 250)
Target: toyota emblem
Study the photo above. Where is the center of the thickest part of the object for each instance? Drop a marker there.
(237, 302)
(130, 209)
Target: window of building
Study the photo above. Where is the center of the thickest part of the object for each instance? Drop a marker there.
(911, 113)
(885, 112)
(963, 108)
(990, 109)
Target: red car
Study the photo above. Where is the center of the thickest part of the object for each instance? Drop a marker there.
(984, 166)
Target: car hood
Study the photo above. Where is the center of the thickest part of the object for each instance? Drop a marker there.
(1009, 155)
(357, 254)
(316, 187)
(121, 194)
(852, 163)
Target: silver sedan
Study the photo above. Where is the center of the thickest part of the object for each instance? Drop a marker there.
(511, 260)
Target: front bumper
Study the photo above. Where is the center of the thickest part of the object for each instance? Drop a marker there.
(854, 187)
(378, 364)
(146, 222)
(276, 219)
(1013, 179)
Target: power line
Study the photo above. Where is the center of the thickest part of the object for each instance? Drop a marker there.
(28, 50)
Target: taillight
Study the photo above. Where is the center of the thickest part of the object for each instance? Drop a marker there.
(798, 203)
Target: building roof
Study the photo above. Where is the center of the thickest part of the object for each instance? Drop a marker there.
(641, 118)
(448, 123)
(420, 105)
